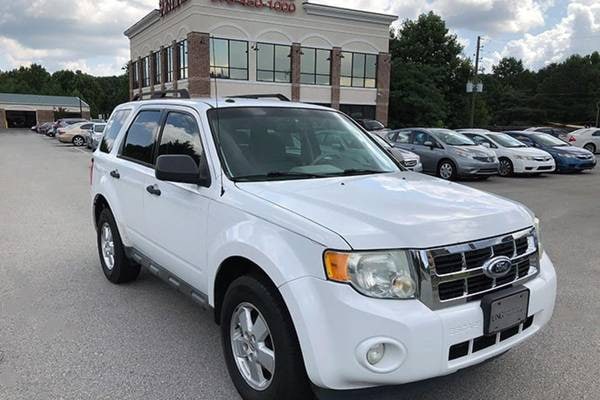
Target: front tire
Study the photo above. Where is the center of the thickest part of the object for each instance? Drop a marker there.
(78, 141)
(506, 168)
(590, 147)
(116, 266)
(447, 170)
(260, 344)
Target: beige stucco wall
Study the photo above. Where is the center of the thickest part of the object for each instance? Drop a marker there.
(220, 19)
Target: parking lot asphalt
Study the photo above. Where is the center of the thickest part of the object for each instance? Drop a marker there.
(67, 333)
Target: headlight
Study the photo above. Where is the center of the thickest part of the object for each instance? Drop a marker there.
(529, 158)
(379, 274)
(464, 153)
(538, 234)
(568, 155)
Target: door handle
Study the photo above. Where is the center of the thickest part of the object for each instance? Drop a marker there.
(115, 174)
(154, 190)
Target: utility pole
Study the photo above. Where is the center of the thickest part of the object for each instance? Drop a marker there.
(472, 120)
(598, 114)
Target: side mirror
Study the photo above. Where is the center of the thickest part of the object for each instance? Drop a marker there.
(429, 144)
(486, 144)
(180, 168)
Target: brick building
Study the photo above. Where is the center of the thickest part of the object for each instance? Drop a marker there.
(309, 52)
(26, 110)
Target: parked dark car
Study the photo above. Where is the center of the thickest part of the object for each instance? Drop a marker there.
(371, 125)
(560, 133)
(568, 158)
(62, 123)
(43, 128)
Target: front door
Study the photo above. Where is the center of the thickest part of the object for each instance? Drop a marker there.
(176, 213)
(428, 148)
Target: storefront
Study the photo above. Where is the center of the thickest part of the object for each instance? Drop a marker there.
(307, 52)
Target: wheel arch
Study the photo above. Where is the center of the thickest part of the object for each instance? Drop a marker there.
(100, 203)
(228, 271)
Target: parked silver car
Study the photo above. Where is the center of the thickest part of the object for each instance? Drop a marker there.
(95, 135)
(446, 153)
(408, 159)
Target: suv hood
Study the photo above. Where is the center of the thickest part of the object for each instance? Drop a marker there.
(399, 210)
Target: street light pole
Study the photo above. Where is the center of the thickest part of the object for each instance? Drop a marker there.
(472, 120)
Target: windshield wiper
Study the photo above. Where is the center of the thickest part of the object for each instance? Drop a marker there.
(358, 171)
(277, 174)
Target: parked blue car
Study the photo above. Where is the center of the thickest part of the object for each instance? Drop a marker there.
(568, 158)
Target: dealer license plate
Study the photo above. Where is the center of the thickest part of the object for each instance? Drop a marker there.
(505, 309)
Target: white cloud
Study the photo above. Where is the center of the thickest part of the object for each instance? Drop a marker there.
(577, 32)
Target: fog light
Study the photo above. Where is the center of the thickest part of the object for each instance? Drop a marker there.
(376, 353)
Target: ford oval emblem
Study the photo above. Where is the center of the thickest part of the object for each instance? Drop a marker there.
(497, 267)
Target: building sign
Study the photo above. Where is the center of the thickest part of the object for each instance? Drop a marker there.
(166, 6)
(283, 6)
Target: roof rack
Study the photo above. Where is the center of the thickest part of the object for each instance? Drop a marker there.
(162, 94)
(278, 96)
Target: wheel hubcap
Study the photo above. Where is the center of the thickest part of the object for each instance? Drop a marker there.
(446, 171)
(107, 246)
(252, 346)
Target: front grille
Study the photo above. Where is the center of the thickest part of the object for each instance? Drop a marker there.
(585, 157)
(409, 163)
(455, 274)
(545, 168)
(484, 159)
(463, 349)
(488, 170)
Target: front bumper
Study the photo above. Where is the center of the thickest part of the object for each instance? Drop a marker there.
(532, 167)
(334, 322)
(575, 164)
(477, 168)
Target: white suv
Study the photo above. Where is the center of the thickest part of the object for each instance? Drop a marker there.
(322, 264)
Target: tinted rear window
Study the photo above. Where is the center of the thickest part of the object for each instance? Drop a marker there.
(139, 142)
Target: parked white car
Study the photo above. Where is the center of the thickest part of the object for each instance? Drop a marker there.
(95, 135)
(514, 156)
(322, 264)
(587, 138)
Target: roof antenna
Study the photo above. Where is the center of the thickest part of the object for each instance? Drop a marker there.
(211, 44)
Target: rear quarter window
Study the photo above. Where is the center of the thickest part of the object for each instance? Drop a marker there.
(113, 127)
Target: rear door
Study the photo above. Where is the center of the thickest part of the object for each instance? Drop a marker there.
(176, 213)
(135, 168)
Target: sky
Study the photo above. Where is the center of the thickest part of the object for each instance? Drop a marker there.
(87, 35)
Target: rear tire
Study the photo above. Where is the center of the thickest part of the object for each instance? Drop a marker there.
(250, 297)
(116, 266)
(447, 170)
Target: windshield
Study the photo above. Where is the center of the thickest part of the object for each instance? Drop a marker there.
(277, 143)
(99, 128)
(452, 138)
(505, 140)
(548, 140)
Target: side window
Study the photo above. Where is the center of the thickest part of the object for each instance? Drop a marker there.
(181, 136)
(113, 127)
(86, 127)
(597, 133)
(403, 137)
(139, 142)
(478, 139)
(422, 137)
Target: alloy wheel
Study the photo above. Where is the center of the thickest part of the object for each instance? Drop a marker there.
(505, 168)
(78, 141)
(252, 346)
(107, 245)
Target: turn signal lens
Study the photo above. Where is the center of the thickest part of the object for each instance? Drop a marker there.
(336, 265)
